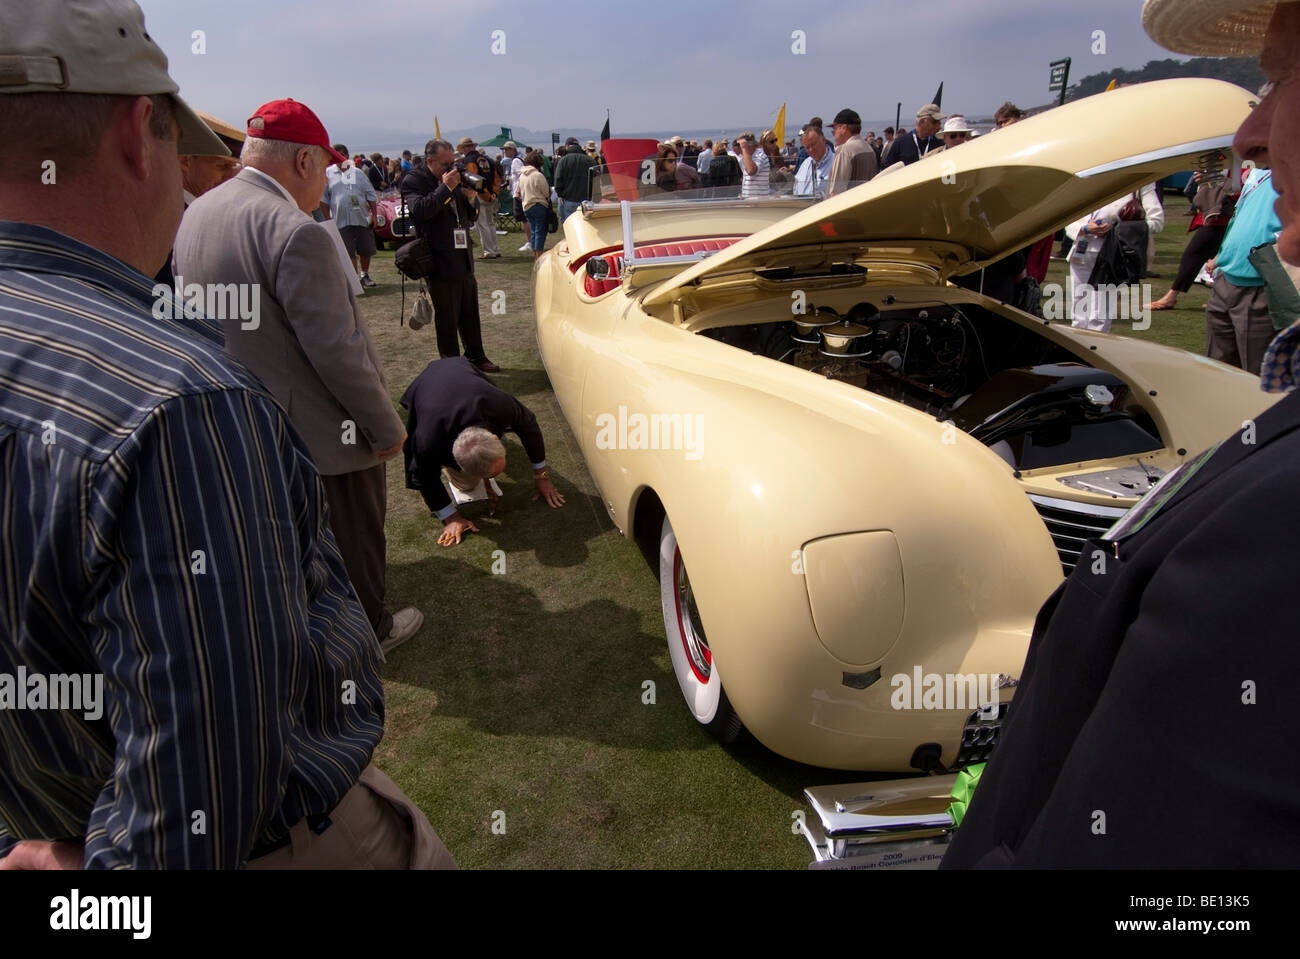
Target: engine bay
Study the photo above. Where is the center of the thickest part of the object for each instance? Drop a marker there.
(1029, 399)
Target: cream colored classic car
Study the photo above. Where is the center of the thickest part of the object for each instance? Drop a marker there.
(856, 524)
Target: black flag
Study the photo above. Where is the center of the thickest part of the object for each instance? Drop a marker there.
(938, 97)
(604, 131)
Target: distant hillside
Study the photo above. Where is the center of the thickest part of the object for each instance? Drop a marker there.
(1243, 71)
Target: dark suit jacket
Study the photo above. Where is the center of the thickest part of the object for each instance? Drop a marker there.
(434, 211)
(1161, 693)
(311, 347)
(449, 396)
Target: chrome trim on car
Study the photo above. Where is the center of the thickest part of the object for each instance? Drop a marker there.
(680, 260)
(629, 242)
(1182, 149)
(1074, 505)
(1071, 524)
(851, 823)
(680, 204)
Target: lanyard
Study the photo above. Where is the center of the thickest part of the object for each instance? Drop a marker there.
(1254, 186)
(928, 144)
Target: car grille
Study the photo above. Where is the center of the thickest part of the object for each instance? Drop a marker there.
(1071, 524)
(979, 737)
(402, 226)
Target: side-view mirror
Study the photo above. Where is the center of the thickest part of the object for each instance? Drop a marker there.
(597, 268)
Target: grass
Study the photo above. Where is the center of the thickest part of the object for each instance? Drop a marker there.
(1183, 327)
(520, 702)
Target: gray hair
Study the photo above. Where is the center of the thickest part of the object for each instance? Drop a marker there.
(275, 152)
(476, 449)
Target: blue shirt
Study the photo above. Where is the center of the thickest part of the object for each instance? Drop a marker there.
(164, 530)
(1254, 222)
(349, 194)
(812, 177)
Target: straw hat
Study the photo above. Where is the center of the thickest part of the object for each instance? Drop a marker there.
(1210, 28)
(231, 136)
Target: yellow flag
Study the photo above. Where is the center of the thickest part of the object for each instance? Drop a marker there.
(1114, 84)
(437, 130)
(778, 128)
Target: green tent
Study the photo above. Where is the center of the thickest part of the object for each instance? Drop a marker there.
(498, 140)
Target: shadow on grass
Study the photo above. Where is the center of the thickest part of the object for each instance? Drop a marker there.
(790, 777)
(519, 382)
(555, 537)
(498, 658)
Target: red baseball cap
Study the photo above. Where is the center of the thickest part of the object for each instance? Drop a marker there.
(292, 122)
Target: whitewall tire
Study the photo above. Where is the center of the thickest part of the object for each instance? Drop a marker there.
(693, 664)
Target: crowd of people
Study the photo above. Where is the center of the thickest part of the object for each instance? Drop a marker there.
(195, 499)
(199, 478)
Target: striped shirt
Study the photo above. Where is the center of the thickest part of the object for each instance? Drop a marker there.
(760, 183)
(164, 529)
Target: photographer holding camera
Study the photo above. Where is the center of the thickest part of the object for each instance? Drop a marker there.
(444, 210)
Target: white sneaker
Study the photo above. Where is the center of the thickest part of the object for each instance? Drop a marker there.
(406, 623)
(526, 246)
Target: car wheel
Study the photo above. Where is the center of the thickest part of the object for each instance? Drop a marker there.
(697, 673)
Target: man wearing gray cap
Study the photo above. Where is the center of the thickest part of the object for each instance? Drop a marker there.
(910, 147)
(1154, 724)
(166, 552)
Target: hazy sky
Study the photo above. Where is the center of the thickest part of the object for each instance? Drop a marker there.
(381, 69)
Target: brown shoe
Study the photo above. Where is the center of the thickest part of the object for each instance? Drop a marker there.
(487, 366)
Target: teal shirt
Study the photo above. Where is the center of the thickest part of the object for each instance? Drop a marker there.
(1254, 223)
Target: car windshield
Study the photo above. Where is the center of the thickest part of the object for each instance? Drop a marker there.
(664, 175)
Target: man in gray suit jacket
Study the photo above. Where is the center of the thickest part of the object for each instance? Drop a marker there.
(298, 327)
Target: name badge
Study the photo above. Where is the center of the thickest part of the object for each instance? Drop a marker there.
(461, 239)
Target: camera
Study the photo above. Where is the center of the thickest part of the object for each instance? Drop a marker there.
(469, 175)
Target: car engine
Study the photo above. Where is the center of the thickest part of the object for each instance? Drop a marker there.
(1030, 400)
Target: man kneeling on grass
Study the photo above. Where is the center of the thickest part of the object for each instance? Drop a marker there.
(456, 420)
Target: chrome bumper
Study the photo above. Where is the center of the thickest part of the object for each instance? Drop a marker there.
(897, 824)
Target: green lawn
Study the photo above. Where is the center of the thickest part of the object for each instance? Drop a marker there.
(1185, 326)
(522, 694)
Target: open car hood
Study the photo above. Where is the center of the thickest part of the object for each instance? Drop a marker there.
(958, 210)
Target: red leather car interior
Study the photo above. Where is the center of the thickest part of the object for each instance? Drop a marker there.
(596, 287)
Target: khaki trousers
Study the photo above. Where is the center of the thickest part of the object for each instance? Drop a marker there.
(1238, 325)
(487, 227)
(374, 826)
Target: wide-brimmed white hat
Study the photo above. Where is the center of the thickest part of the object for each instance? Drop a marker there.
(1209, 28)
(956, 124)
